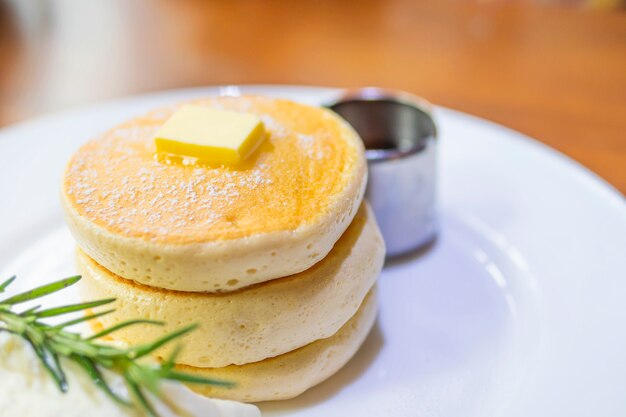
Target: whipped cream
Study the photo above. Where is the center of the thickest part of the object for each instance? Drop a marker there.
(26, 390)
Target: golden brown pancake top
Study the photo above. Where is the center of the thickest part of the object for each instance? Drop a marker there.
(118, 183)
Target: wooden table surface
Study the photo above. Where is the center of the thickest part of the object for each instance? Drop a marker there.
(557, 74)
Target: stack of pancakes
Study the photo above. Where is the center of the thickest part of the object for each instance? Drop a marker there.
(276, 260)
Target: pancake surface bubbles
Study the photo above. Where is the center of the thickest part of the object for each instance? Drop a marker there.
(214, 228)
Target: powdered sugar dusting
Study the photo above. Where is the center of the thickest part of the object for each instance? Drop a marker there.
(117, 182)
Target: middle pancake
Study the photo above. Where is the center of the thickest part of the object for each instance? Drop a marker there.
(255, 323)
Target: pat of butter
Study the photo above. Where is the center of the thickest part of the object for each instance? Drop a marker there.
(210, 135)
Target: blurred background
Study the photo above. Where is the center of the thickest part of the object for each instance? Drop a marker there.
(555, 70)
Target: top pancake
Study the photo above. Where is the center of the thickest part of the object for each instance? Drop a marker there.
(291, 200)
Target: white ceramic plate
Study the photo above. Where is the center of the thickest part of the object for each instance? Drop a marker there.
(519, 309)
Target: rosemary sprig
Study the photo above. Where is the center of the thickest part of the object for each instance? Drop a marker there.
(53, 342)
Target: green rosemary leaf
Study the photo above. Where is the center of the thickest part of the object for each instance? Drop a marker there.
(108, 352)
(57, 311)
(30, 311)
(82, 319)
(122, 325)
(136, 392)
(106, 363)
(143, 350)
(68, 344)
(171, 361)
(193, 379)
(14, 322)
(148, 375)
(58, 368)
(61, 348)
(96, 376)
(49, 364)
(41, 291)
(6, 283)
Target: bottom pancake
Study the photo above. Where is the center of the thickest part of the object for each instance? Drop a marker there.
(290, 374)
